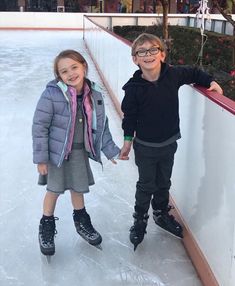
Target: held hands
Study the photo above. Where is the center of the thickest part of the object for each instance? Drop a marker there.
(214, 86)
(42, 169)
(124, 152)
(126, 148)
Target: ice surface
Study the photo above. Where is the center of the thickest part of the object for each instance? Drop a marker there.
(26, 61)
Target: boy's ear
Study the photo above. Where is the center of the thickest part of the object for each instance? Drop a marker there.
(163, 56)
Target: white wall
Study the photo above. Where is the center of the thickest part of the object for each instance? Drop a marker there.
(109, 53)
(216, 23)
(75, 20)
(203, 178)
(41, 20)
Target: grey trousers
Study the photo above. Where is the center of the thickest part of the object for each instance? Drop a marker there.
(155, 169)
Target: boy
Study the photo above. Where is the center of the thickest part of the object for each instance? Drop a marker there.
(151, 118)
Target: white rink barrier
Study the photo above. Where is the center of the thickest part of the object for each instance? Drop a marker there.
(217, 23)
(203, 184)
(49, 20)
(40, 20)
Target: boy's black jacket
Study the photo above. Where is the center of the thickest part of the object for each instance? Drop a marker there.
(151, 109)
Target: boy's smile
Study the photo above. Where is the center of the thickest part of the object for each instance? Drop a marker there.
(149, 57)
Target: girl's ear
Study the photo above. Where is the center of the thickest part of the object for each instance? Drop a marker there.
(85, 70)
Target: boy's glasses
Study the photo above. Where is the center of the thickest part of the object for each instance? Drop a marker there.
(153, 51)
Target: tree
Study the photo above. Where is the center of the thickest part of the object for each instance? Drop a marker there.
(226, 13)
(165, 8)
(165, 33)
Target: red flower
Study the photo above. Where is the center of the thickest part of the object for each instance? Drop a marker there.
(232, 73)
(180, 61)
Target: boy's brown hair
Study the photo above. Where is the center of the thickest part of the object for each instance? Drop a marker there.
(145, 37)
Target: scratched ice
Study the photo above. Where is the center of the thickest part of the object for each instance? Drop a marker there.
(26, 59)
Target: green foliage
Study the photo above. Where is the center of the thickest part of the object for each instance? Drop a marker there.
(217, 57)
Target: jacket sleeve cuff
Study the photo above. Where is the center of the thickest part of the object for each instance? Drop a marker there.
(128, 138)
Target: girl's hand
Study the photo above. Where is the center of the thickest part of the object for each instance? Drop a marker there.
(42, 169)
(113, 161)
(124, 152)
(215, 87)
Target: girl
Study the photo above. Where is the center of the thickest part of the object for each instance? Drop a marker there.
(69, 125)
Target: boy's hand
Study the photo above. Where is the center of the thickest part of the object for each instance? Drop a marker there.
(42, 169)
(126, 148)
(215, 87)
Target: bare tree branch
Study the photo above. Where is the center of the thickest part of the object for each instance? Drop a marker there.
(224, 13)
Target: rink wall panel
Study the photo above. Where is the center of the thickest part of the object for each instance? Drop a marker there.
(50, 20)
(203, 186)
(38, 20)
(216, 23)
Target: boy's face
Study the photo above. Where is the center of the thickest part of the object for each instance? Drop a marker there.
(72, 73)
(148, 56)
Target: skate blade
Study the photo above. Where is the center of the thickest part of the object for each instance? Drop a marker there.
(97, 246)
(172, 234)
(135, 246)
(48, 258)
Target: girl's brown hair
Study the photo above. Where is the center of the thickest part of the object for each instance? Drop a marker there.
(71, 54)
(145, 37)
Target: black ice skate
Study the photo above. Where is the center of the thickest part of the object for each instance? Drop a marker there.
(167, 222)
(85, 229)
(138, 230)
(46, 235)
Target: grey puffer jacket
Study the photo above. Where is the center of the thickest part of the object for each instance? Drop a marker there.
(52, 124)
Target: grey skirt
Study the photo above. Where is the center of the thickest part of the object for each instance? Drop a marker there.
(75, 174)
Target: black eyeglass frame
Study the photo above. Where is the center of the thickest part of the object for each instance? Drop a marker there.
(153, 51)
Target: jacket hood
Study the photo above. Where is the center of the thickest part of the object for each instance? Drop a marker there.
(52, 83)
(138, 80)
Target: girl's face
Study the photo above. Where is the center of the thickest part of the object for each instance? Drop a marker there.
(148, 56)
(72, 73)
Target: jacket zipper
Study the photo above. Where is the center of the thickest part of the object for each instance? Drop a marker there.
(67, 132)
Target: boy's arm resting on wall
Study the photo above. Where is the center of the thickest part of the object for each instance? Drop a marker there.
(214, 86)
(189, 75)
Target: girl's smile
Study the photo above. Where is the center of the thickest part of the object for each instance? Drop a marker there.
(72, 73)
